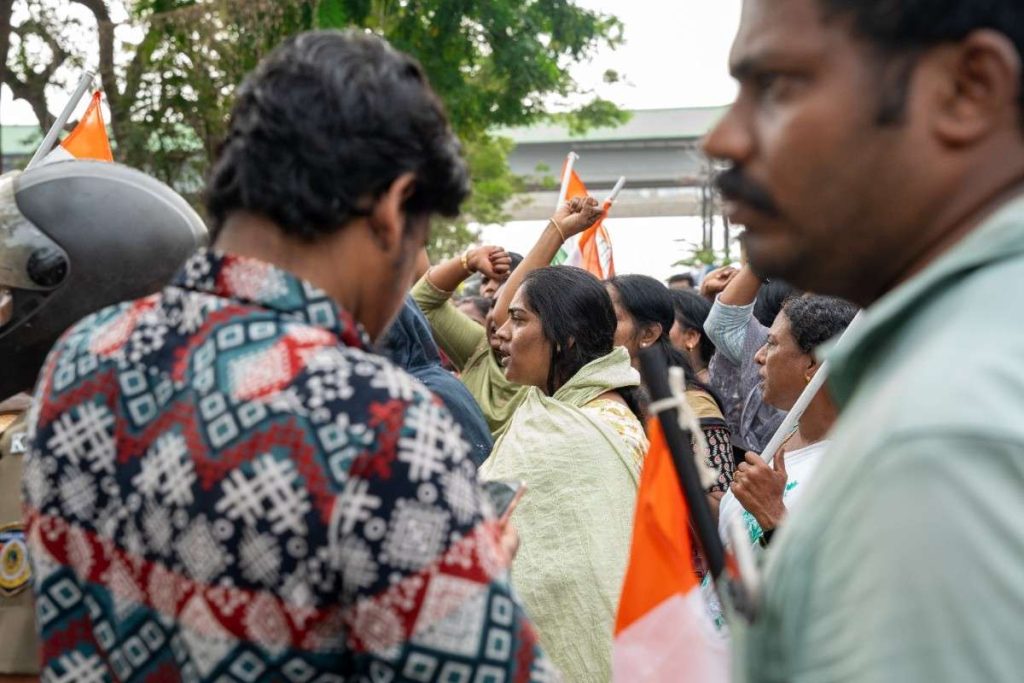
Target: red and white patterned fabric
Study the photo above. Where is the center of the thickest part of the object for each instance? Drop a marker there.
(224, 484)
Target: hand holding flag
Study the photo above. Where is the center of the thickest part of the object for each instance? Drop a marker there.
(593, 250)
(576, 215)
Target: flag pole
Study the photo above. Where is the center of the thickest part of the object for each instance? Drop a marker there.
(654, 370)
(570, 162)
(615, 191)
(51, 135)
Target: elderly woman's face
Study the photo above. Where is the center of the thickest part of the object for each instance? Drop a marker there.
(785, 368)
(524, 350)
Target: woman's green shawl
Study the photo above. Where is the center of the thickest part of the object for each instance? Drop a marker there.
(575, 520)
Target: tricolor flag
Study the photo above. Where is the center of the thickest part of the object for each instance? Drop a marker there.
(663, 631)
(592, 250)
(88, 140)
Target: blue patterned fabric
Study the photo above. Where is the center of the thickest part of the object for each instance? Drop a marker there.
(223, 484)
(410, 345)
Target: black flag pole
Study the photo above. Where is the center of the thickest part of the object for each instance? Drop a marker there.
(654, 369)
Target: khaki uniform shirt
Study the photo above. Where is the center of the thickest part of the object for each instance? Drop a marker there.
(18, 643)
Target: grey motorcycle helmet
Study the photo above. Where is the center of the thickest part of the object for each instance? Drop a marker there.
(76, 236)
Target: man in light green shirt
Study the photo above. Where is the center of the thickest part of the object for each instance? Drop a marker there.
(877, 153)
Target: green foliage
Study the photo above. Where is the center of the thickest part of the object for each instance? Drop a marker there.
(495, 63)
(700, 255)
(598, 113)
(704, 255)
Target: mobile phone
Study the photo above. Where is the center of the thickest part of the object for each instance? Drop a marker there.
(503, 495)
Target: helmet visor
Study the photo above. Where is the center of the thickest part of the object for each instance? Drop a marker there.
(29, 259)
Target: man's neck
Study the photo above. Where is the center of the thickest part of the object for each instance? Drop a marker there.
(960, 215)
(253, 236)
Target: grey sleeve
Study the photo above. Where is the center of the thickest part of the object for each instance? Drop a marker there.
(726, 326)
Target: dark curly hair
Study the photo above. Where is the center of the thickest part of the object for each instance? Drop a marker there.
(323, 126)
(578, 320)
(814, 319)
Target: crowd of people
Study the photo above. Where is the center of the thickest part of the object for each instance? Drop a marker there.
(266, 451)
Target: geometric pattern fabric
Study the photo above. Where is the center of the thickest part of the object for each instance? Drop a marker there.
(224, 484)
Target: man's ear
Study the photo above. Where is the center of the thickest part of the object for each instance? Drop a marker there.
(978, 86)
(387, 220)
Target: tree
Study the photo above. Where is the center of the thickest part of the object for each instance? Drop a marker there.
(494, 63)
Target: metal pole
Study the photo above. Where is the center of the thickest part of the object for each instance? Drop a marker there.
(51, 135)
(570, 161)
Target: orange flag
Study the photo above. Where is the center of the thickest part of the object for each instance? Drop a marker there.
(593, 251)
(663, 631)
(89, 139)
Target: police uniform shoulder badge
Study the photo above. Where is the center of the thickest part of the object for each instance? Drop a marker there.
(14, 567)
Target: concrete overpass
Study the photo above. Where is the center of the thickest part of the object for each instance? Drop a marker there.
(658, 150)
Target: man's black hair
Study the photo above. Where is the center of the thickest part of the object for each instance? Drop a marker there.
(682, 277)
(323, 126)
(902, 29)
(814, 319)
(770, 298)
(516, 260)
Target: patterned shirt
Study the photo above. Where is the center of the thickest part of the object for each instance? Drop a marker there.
(223, 484)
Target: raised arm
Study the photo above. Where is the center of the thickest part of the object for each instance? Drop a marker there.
(726, 324)
(494, 262)
(456, 333)
(572, 218)
(742, 289)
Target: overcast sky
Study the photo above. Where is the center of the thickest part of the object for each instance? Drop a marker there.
(674, 56)
(675, 53)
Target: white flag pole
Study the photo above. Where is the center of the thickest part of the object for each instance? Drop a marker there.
(51, 135)
(570, 161)
(615, 191)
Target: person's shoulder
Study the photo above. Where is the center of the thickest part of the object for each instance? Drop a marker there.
(92, 325)
(703, 404)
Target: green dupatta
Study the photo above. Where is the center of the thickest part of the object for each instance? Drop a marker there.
(575, 520)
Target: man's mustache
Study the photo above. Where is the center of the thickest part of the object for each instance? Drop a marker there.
(735, 186)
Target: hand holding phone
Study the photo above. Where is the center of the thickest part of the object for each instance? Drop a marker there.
(504, 496)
